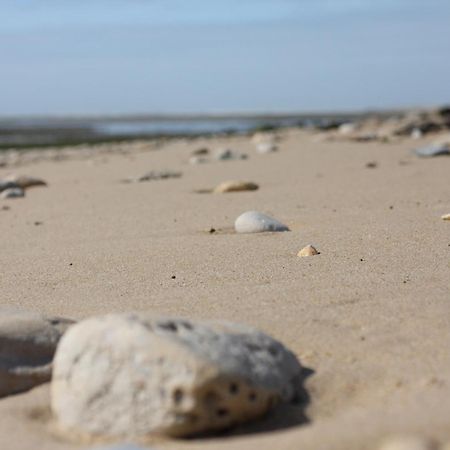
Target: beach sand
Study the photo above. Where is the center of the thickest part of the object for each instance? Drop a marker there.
(369, 318)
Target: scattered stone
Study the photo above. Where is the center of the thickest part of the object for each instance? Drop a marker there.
(15, 192)
(228, 154)
(309, 250)
(445, 217)
(201, 151)
(133, 375)
(372, 165)
(154, 176)
(347, 128)
(27, 345)
(409, 443)
(24, 181)
(432, 150)
(266, 147)
(7, 185)
(256, 222)
(235, 186)
(197, 160)
(5, 208)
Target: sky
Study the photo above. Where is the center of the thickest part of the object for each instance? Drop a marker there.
(64, 57)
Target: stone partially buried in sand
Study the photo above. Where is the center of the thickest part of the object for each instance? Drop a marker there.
(408, 443)
(257, 222)
(25, 181)
(27, 345)
(309, 250)
(14, 192)
(125, 376)
(445, 217)
(235, 186)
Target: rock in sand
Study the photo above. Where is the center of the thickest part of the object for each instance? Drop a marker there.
(408, 443)
(25, 181)
(131, 375)
(235, 186)
(445, 217)
(309, 250)
(14, 192)
(27, 345)
(257, 222)
(228, 155)
(266, 147)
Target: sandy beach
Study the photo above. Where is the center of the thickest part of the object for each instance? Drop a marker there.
(368, 318)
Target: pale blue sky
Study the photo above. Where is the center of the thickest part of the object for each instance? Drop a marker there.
(138, 56)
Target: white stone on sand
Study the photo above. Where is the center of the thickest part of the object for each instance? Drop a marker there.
(257, 222)
(235, 186)
(131, 375)
(14, 192)
(266, 147)
(445, 217)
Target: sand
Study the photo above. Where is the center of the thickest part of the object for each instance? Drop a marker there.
(369, 317)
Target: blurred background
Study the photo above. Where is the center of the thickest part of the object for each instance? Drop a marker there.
(289, 58)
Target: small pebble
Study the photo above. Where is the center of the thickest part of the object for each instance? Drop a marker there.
(228, 155)
(266, 147)
(257, 222)
(200, 151)
(309, 250)
(372, 165)
(408, 443)
(235, 186)
(13, 193)
(445, 217)
(197, 160)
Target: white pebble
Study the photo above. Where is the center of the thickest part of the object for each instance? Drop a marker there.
(256, 222)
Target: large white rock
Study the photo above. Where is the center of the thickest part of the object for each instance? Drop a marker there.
(27, 344)
(130, 375)
(256, 222)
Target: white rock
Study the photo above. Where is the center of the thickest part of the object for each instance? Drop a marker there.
(408, 443)
(445, 217)
(27, 344)
(256, 222)
(266, 147)
(131, 375)
(14, 192)
(235, 186)
(347, 128)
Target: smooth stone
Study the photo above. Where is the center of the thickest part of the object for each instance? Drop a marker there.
(154, 175)
(309, 250)
(228, 154)
(27, 344)
(432, 150)
(126, 376)
(256, 222)
(235, 186)
(266, 147)
(408, 443)
(7, 185)
(14, 192)
(445, 217)
(25, 181)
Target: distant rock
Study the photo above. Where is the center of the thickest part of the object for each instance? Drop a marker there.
(14, 192)
(309, 250)
(194, 160)
(266, 147)
(256, 222)
(228, 154)
(235, 186)
(125, 376)
(25, 181)
(408, 443)
(202, 151)
(27, 343)
(154, 175)
(432, 150)
(122, 447)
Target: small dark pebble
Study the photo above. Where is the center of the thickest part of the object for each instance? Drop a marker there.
(212, 230)
(372, 165)
(37, 223)
(173, 277)
(6, 208)
(70, 264)
(362, 259)
(391, 207)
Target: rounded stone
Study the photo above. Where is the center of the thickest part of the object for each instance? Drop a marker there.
(14, 192)
(257, 222)
(309, 250)
(235, 186)
(132, 375)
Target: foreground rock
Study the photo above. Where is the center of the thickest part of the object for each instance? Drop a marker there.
(235, 186)
(130, 375)
(27, 345)
(14, 192)
(256, 222)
